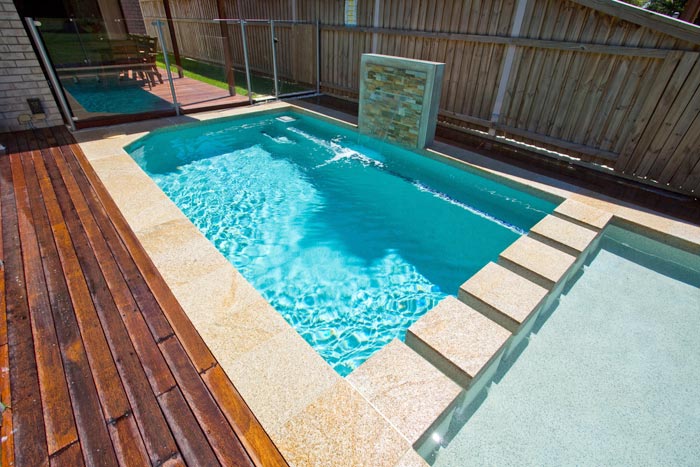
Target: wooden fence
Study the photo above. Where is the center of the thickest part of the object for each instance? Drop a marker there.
(597, 80)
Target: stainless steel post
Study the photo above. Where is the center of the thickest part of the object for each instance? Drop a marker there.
(159, 26)
(245, 59)
(274, 57)
(318, 57)
(49, 69)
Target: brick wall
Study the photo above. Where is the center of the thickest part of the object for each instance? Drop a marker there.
(133, 16)
(20, 75)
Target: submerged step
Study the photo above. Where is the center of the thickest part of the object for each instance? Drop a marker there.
(583, 214)
(405, 388)
(562, 234)
(542, 264)
(502, 295)
(457, 339)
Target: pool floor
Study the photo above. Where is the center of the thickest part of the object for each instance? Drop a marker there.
(611, 378)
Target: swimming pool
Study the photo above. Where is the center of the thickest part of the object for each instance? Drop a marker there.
(609, 375)
(349, 238)
(112, 95)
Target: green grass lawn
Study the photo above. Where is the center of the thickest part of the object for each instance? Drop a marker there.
(214, 75)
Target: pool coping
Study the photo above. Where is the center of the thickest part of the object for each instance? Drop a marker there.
(312, 414)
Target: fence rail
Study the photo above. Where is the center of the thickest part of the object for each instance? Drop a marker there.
(600, 81)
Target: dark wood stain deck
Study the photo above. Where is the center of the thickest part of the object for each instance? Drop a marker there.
(99, 363)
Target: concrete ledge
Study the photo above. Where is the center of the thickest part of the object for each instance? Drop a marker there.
(457, 339)
(405, 388)
(563, 235)
(502, 295)
(583, 214)
(536, 261)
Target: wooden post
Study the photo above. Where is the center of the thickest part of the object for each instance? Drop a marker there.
(507, 66)
(173, 39)
(228, 59)
(375, 23)
(691, 12)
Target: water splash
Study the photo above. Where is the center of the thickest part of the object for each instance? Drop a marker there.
(341, 153)
(472, 209)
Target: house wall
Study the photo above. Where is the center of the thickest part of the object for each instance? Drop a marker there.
(133, 16)
(21, 76)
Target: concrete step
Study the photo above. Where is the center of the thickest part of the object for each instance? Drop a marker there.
(457, 339)
(542, 264)
(562, 234)
(405, 388)
(502, 295)
(583, 214)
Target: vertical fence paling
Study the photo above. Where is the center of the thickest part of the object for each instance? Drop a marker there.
(573, 77)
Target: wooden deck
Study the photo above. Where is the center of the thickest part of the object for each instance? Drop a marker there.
(192, 95)
(104, 366)
(195, 95)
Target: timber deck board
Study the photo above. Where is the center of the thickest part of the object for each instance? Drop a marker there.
(104, 366)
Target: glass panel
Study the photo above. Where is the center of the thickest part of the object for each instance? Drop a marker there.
(259, 42)
(296, 57)
(105, 72)
(211, 76)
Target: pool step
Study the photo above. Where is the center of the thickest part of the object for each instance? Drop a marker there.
(562, 234)
(405, 388)
(542, 264)
(502, 295)
(456, 339)
(583, 214)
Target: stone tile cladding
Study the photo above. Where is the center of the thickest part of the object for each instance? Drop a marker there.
(394, 102)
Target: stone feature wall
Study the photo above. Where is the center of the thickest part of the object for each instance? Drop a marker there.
(398, 99)
(394, 102)
(21, 76)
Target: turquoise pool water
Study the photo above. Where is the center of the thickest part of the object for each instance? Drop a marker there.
(110, 95)
(609, 376)
(350, 239)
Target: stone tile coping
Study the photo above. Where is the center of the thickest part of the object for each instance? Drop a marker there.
(583, 214)
(311, 413)
(562, 234)
(542, 264)
(457, 339)
(502, 295)
(405, 388)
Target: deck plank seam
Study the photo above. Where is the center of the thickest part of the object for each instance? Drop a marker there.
(52, 380)
(17, 309)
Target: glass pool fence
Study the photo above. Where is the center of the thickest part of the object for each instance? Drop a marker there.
(103, 74)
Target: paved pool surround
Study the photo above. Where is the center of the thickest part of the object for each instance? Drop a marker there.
(374, 416)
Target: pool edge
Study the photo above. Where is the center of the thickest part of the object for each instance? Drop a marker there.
(294, 429)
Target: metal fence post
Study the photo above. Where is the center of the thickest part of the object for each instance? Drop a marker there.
(245, 59)
(274, 56)
(318, 56)
(159, 26)
(38, 41)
